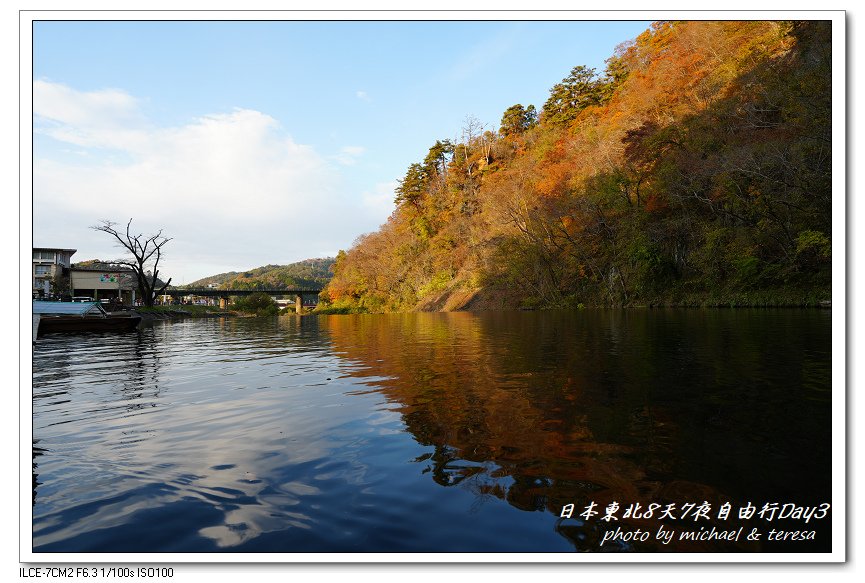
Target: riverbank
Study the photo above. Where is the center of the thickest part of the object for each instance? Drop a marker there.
(496, 298)
(187, 311)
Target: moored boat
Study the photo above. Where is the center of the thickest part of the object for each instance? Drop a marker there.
(67, 317)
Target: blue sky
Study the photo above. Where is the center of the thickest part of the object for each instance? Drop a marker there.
(254, 143)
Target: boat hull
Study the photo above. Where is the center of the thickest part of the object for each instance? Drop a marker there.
(70, 324)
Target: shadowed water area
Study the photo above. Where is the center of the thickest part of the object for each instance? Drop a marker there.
(430, 432)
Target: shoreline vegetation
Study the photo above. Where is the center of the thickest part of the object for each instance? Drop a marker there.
(758, 299)
(261, 305)
(695, 171)
(755, 299)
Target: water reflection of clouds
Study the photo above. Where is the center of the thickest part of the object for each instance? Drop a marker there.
(275, 508)
(267, 478)
(181, 426)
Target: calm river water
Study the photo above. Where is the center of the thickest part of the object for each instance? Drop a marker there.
(433, 432)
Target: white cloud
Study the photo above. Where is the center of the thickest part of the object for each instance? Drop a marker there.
(362, 95)
(108, 118)
(239, 161)
(348, 155)
(233, 189)
(63, 104)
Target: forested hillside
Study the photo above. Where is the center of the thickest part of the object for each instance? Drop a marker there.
(696, 169)
(309, 273)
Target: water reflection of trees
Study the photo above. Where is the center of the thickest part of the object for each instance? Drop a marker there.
(542, 410)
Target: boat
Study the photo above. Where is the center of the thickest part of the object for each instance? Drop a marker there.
(53, 317)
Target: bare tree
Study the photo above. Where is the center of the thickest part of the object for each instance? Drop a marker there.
(472, 128)
(146, 253)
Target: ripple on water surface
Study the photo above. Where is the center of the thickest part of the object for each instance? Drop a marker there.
(421, 432)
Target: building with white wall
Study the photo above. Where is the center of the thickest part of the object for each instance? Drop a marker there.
(106, 282)
(49, 263)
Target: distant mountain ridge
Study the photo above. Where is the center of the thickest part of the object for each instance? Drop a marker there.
(311, 273)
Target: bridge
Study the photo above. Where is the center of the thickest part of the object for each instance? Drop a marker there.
(301, 294)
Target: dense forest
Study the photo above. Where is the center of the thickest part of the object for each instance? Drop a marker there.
(309, 273)
(694, 170)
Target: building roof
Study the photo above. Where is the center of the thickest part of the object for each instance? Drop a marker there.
(67, 308)
(71, 251)
(104, 269)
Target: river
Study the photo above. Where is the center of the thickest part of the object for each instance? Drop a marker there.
(455, 432)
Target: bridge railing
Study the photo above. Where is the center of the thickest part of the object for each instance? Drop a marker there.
(222, 293)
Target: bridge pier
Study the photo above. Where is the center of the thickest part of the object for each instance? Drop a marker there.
(223, 303)
(298, 304)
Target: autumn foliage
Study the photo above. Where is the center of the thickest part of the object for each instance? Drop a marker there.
(697, 166)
